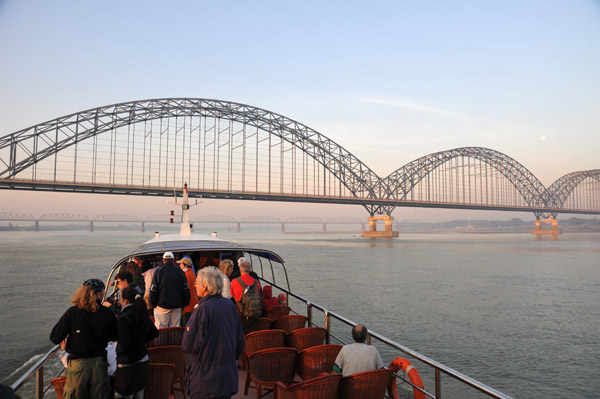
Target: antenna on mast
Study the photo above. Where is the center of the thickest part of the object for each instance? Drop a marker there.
(186, 227)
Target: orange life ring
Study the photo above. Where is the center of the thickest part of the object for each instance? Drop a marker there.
(405, 365)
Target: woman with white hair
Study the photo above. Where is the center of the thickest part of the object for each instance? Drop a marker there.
(226, 267)
(214, 339)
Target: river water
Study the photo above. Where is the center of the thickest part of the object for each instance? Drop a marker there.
(518, 314)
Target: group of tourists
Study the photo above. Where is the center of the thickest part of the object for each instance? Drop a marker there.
(224, 306)
(86, 329)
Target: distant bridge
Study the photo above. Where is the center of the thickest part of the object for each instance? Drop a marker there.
(234, 151)
(201, 220)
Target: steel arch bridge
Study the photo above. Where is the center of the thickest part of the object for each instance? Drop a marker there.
(229, 150)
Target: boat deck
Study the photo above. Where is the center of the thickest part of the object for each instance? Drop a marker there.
(240, 394)
(251, 390)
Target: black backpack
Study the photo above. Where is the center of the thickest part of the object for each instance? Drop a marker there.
(251, 304)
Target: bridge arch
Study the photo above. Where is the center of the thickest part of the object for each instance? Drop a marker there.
(463, 182)
(261, 219)
(215, 219)
(64, 217)
(570, 187)
(345, 220)
(117, 218)
(304, 220)
(23, 150)
(16, 217)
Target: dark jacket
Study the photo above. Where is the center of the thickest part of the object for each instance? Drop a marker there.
(131, 346)
(215, 339)
(169, 288)
(88, 332)
(132, 374)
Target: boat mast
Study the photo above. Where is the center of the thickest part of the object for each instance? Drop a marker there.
(186, 229)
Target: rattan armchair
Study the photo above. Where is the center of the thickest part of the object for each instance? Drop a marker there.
(324, 386)
(311, 362)
(264, 323)
(160, 381)
(307, 337)
(290, 323)
(367, 385)
(167, 337)
(275, 312)
(268, 366)
(171, 354)
(259, 340)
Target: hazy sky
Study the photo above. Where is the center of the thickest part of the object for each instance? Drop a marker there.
(389, 81)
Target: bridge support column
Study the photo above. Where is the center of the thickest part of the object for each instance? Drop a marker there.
(36, 226)
(282, 227)
(324, 227)
(143, 228)
(238, 228)
(387, 233)
(539, 223)
(91, 226)
(362, 227)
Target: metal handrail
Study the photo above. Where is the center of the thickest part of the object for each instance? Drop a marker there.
(438, 367)
(38, 370)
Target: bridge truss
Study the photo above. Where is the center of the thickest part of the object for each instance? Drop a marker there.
(229, 150)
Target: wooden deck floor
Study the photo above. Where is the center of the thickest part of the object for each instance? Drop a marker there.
(240, 394)
(251, 391)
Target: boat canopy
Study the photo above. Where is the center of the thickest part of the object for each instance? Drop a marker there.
(197, 243)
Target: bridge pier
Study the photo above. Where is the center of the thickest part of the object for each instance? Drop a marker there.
(541, 222)
(387, 233)
(324, 227)
(143, 228)
(36, 226)
(282, 228)
(238, 228)
(91, 226)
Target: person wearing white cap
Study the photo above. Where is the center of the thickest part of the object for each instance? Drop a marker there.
(169, 293)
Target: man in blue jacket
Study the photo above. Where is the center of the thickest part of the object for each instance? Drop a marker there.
(169, 293)
(214, 338)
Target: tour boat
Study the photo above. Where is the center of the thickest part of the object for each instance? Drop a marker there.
(410, 368)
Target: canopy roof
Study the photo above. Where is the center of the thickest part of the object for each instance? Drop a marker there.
(195, 243)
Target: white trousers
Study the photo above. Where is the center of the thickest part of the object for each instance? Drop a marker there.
(164, 318)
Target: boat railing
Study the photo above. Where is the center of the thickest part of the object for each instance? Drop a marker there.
(38, 370)
(438, 368)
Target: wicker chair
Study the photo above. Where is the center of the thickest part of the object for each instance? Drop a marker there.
(307, 337)
(259, 340)
(171, 354)
(160, 381)
(324, 386)
(59, 386)
(167, 337)
(264, 323)
(311, 362)
(367, 385)
(290, 323)
(275, 312)
(268, 366)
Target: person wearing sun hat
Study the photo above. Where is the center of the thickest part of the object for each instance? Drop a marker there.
(169, 293)
(185, 264)
(87, 327)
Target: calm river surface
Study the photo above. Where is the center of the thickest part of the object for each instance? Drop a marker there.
(518, 314)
